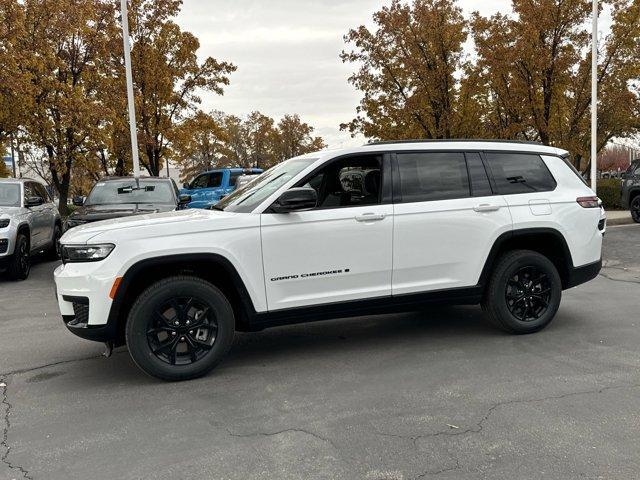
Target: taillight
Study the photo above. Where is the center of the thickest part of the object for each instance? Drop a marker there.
(588, 202)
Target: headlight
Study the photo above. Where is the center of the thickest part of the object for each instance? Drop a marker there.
(86, 253)
(4, 223)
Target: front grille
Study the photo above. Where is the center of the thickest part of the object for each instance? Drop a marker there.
(4, 245)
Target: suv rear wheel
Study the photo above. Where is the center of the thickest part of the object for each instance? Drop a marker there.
(20, 263)
(524, 292)
(180, 328)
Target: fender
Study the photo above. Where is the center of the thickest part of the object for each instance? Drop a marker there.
(127, 290)
(503, 242)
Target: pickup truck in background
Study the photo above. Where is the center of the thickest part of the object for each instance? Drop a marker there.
(209, 187)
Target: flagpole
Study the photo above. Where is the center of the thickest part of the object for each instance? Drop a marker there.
(594, 96)
(130, 99)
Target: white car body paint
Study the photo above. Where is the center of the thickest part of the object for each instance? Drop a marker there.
(331, 255)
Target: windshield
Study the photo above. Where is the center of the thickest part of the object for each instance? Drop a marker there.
(124, 191)
(9, 195)
(248, 197)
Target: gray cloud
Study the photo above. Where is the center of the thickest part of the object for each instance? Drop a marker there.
(287, 55)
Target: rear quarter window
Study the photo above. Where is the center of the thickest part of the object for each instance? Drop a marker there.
(520, 173)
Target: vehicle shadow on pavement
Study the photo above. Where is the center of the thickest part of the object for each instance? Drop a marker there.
(358, 338)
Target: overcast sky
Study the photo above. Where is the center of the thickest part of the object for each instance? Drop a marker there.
(287, 52)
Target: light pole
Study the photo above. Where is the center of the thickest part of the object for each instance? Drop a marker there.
(594, 96)
(130, 99)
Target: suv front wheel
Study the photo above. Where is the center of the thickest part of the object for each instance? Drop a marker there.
(20, 262)
(635, 208)
(180, 328)
(523, 294)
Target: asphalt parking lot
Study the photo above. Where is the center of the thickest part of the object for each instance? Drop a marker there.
(434, 394)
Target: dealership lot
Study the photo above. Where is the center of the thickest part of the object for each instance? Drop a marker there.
(437, 393)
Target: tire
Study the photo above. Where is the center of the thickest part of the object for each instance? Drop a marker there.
(634, 208)
(521, 284)
(20, 262)
(54, 251)
(166, 351)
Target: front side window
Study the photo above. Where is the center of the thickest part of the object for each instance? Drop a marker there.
(350, 182)
(200, 182)
(429, 176)
(42, 192)
(9, 194)
(249, 196)
(29, 191)
(126, 191)
(520, 173)
(215, 179)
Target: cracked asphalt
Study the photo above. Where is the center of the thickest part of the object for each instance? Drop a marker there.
(432, 394)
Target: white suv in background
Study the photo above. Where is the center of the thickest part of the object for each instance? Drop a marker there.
(380, 228)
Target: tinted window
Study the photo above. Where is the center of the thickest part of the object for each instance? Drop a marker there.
(215, 179)
(30, 191)
(520, 173)
(349, 182)
(480, 185)
(432, 176)
(200, 182)
(42, 192)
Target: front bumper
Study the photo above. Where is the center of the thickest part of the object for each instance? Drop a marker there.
(82, 291)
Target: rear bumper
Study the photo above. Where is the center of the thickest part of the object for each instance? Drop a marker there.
(584, 273)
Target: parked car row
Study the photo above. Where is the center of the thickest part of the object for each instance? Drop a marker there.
(30, 221)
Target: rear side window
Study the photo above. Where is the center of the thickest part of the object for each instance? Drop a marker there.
(520, 173)
(432, 176)
(480, 186)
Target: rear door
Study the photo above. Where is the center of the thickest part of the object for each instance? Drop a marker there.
(339, 251)
(446, 219)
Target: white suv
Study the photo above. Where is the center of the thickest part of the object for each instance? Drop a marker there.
(375, 229)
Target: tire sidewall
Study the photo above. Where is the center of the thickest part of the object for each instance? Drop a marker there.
(141, 313)
(635, 213)
(16, 270)
(498, 294)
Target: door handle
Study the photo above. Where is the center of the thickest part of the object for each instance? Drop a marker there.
(486, 207)
(370, 217)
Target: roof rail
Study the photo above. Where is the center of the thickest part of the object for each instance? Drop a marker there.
(441, 140)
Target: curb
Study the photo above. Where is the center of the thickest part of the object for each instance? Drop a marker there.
(612, 222)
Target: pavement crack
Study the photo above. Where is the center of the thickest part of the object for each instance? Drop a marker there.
(618, 279)
(5, 432)
(457, 466)
(477, 428)
(53, 364)
(279, 432)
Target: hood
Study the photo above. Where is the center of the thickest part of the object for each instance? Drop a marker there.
(150, 225)
(92, 213)
(9, 211)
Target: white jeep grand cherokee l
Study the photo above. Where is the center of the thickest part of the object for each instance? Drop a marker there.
(380, 228)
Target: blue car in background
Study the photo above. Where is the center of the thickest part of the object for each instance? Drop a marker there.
(209, 187)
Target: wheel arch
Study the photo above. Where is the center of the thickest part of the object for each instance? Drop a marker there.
(213, 268)
(546, 241)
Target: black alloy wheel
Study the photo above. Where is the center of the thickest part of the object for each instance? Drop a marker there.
(20, 265)
(635, 209)
(182, 330)
(528, 293)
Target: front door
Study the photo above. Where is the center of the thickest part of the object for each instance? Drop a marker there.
(446, 221)
(339, 251)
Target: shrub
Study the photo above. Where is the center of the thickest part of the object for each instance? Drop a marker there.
(609, 192)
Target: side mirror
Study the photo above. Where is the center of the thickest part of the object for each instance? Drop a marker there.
(183, 199)
(78, 201)
(33, 201)
(296, 199)
(185, 186)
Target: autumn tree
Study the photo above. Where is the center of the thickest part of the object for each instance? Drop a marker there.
(168, 76)
(406, 71)
(535, 65)
(66, 75)
(294, 137)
